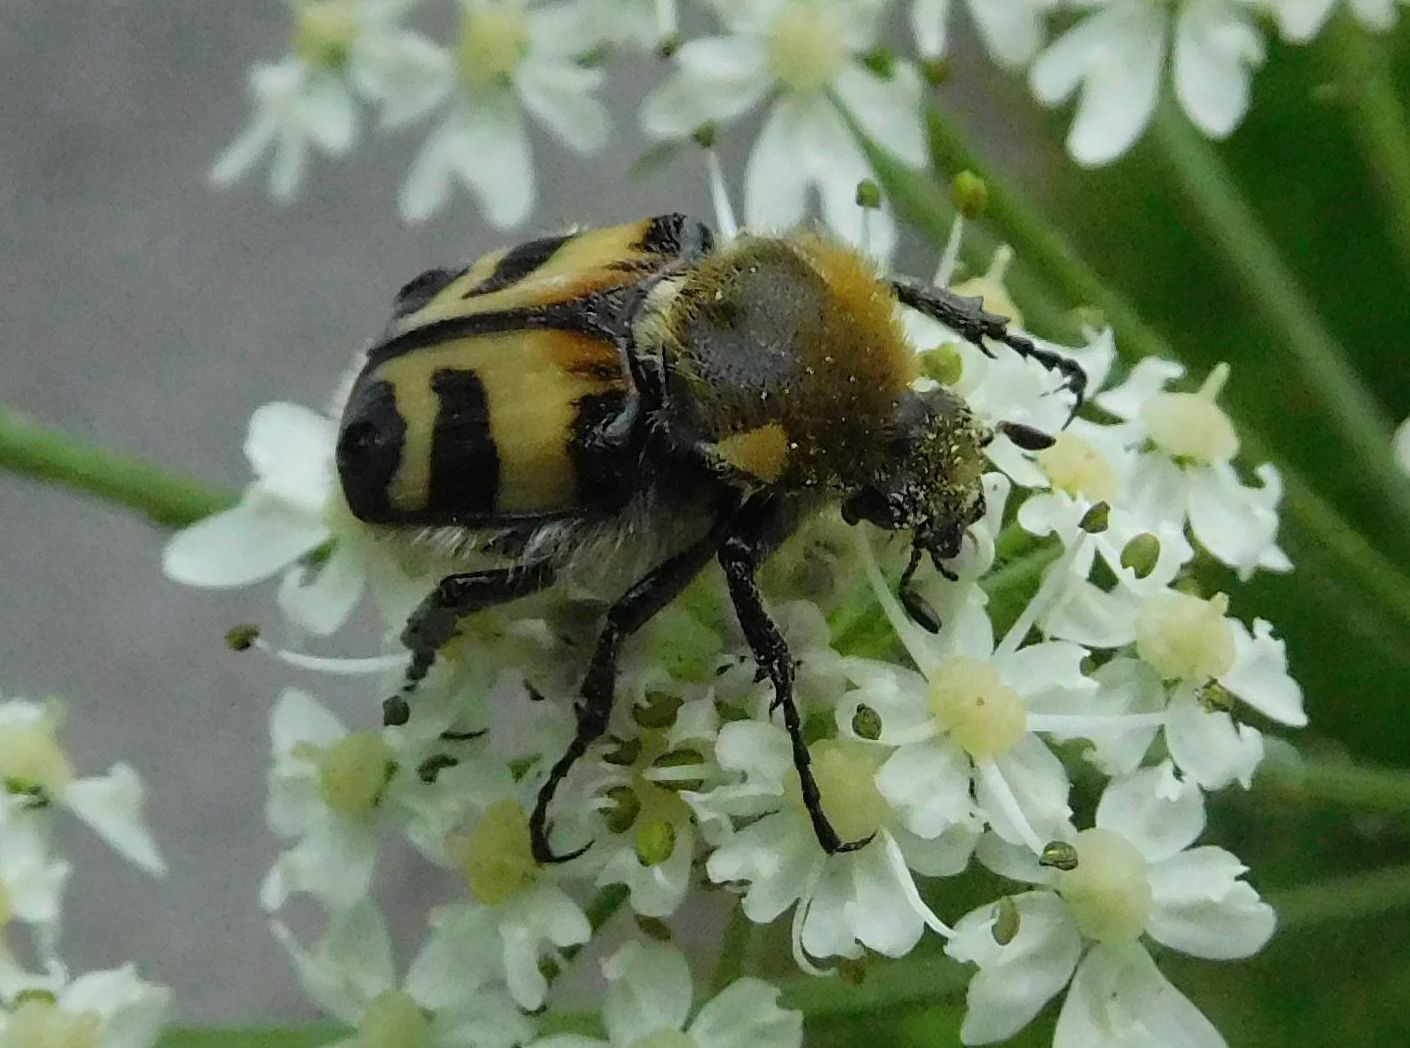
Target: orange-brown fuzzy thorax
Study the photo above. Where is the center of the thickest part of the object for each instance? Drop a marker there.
(797, 339)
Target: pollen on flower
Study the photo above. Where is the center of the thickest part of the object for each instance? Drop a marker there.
(1193, 426)
(1109, 891)
(324, 32)
(496, 857)
(393, 1020)
(1183, 637)
(30, 757)
(846, 777)
(39, 1023)
(806, 47)
(1079, 469)
(492, 41)
(352, 773)
(970, 701)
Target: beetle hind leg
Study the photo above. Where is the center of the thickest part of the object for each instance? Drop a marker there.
(436, 620)
(740, 555)
(631, 612)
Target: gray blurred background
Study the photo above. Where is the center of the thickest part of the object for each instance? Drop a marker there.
(140, 307)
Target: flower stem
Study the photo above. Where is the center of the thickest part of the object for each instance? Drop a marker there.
(1344, 898)
(914, 981)
(1326, 539)
(1362, 63)
(75, 462)
(1384, 790)
(1234, 230)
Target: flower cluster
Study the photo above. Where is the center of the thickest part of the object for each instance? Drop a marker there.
(40, 1003)
(1084, 637)
(819, 67)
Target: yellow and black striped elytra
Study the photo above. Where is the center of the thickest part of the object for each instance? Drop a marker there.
(639, 385)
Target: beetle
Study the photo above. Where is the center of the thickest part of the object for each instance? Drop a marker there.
(637, 388)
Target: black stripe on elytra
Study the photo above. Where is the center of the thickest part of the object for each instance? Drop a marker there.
(464, 474)
(602, 446)
(419, 290)
(598, 315)
(518, 263)
(370, 441)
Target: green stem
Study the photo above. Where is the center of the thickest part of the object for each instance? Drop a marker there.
(1362, 65)
(915, 981)
(1328, 538)
(1234, 230)
(1383, 790)
(75, 462)
(1344, 898)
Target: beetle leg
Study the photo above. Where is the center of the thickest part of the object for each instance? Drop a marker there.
(632, 611)
(437, 619)
(968, 317)
(740, 555)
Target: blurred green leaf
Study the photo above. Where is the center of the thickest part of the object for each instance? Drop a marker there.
(251, 1037)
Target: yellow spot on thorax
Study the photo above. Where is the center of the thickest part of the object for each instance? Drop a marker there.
(760, 453)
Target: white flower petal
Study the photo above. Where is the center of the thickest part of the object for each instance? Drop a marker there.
(333, 862)
(290, 449)
(1149, 377)
(300, 718)
(881, 911)
(132, 1011)
(1203, 909)
(1238, 524)
(888, 109)
(1119, 999)
(320, 599)
(648, 990)
(1209, 746)
(1039, 785)
(1121, 89)
(561, 97)
(1154, 810)
(350, 967)
(251, 541)
(1012, 30)
(489, 150)
(459, 955)
(928, 783)
(111, 805)
(776, 177)
(746, 1015)
(718, 79)
(1260, 675)
(1014, 981)
(1216, 49)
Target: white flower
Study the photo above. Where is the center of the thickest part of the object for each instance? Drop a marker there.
(104, 1009)
(1136, 875)
(964, 729)
(806, 55)
(649, 1006)
(36, 772)
(518, 914)
(1402, 445)
(843, 902)
(31, 885)
(1012, 30)
(1301, 20)
(351, 975)
(1189, 472)
(308, 100)
(641, 23)
(510, 58)
(280, 520)
(1116, 58)
(326, 791)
